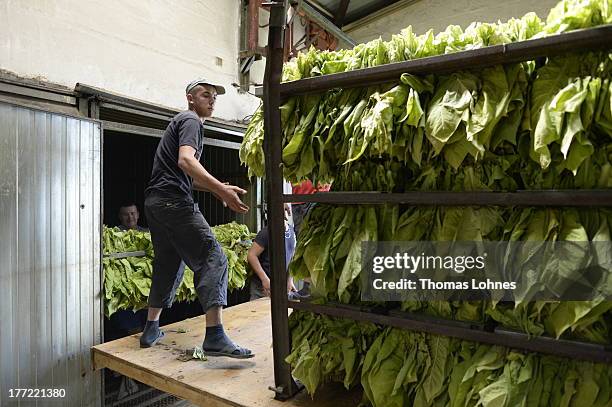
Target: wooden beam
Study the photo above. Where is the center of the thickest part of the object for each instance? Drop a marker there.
(571, 198)
(157, 380)
(579, 40)
(341, 13)
(457, 329)
(284, 384)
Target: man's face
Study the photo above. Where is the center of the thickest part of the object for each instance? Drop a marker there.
(128, 216)
(202, 100)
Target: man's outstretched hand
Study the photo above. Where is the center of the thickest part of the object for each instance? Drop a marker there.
(229, 196)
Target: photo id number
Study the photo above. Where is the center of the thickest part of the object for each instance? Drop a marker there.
(37, 393)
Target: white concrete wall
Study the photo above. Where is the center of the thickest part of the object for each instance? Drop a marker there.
(144, 49)
(439, 14)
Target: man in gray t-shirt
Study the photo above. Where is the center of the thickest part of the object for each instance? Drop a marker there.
(178, 228)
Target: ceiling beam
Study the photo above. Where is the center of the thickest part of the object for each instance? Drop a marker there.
(341, 13)
(357, 23)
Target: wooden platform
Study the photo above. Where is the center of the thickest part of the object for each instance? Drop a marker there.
(216, 381)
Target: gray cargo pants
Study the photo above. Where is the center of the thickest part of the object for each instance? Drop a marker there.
(179, 231)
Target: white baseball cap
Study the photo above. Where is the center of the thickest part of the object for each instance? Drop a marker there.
(203, 81)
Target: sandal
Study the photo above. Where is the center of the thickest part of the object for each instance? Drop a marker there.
(231, 351)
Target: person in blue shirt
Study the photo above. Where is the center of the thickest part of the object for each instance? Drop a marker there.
(259, 260)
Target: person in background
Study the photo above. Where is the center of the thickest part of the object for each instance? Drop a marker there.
(259, 259)
(126, 322)
(128, 216)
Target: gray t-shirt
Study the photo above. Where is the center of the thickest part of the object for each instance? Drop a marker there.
(167, 179)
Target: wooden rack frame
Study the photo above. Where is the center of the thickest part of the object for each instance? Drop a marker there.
(275, 93)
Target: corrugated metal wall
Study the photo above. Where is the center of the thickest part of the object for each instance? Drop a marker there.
(49, 254)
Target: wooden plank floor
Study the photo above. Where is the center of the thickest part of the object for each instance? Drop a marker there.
(216, 381)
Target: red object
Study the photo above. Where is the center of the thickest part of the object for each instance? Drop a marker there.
(306, 188)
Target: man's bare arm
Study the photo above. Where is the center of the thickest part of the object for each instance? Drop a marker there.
(199, 187)
(203, 180)
(253, 259)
